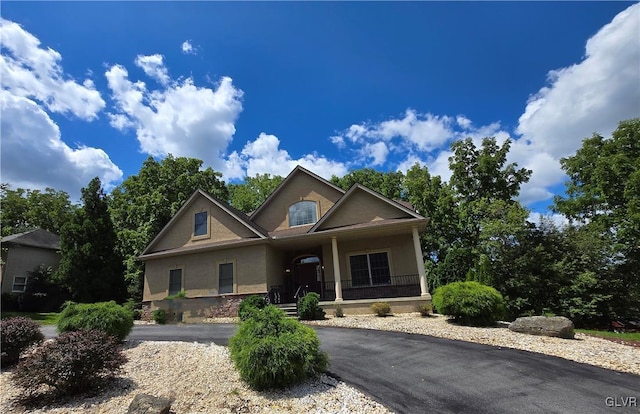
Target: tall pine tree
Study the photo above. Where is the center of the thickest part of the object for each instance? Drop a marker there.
(91, 267)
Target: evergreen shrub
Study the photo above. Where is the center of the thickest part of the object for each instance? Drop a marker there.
(108, 317)
(250, 305)
(160, 316)
(470, 303)
(309, 308)
(273, 351)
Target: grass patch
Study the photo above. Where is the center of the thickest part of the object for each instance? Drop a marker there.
(625, 336)
(43, 318)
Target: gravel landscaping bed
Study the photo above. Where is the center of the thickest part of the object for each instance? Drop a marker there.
(202, 379)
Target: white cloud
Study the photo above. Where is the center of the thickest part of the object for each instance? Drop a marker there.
(424, 131)
(34, 156)
(33, 153)
(376, 152)
(187, 48)
(31, 71)
(264, 155)
(557, 219)
(153, 66)
(180, 118)
(590, 96)
(463, 122)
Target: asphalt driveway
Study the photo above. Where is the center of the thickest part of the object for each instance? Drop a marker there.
(421, 374)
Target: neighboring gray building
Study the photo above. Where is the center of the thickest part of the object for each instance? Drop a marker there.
(23, 253)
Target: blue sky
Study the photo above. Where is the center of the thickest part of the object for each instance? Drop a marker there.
(94, 88)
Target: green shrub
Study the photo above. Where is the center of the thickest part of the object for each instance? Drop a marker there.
(108, 317)
(16, 335)
(250, 305)
(309, 308)
(338, 313)
(381, 309)
(179, 295)
(273, 351)
(72, 363)
(470, 303)
(160, 316)
(425, 310)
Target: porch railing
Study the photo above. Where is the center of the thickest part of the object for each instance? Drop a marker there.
(398, 286)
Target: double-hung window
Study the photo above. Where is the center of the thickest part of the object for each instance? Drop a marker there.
(225, 278)
(370, 269)
(303, 212)
(175, 281)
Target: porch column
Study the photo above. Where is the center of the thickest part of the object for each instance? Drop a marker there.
(424, 292)
(336, 268)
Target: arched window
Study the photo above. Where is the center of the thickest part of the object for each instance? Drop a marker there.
(303, 212)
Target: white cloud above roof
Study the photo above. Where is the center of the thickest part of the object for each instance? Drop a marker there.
(179, 118)
(264, 155)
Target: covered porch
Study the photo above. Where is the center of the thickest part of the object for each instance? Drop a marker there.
(382, 260)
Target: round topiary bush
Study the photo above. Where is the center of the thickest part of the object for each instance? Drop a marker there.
(108, 317)
(273, 351)
(309, 308)
(16, 335)
(381, 309)
(70, 364)
(250, 305)
(470, 303)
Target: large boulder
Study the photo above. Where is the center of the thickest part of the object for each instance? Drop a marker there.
(148, 404)
(557, 326)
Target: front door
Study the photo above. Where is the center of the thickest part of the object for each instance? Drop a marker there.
(309, 276)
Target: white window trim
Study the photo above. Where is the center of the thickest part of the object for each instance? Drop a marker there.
(368, 252)
(235, 276)
(13, 286)
(182, 278)
(207, 235)
(317, 204)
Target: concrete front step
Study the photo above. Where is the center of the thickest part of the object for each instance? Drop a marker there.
(289, 308)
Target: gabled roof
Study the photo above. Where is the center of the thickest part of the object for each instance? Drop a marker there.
(35, 238)
(352, 190)
(235, 213)
(286, 181)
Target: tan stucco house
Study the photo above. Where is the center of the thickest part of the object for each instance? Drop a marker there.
(23, 253)
(352, 247)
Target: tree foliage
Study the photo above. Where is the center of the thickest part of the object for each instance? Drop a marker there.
(250, 194)
(603, 195)
(90, 267)
(388, 184)
(144, 203)
(474, 216)
(24, 210)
